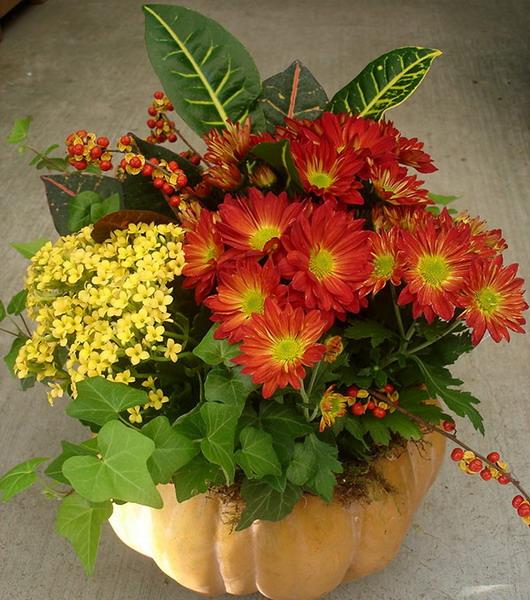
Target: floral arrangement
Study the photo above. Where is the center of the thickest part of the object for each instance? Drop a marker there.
(271, 315)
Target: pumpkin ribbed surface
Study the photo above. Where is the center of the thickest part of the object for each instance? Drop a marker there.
(303, 556)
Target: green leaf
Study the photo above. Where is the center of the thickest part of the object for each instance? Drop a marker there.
(368, 329)
(215, 352)
(440, 382)
(99, 400)
(11, 356)
(19, 131)
(377, 429)
(354, 426)
(402, 425)
(17, 304)
(80, 521)
(218, 445)
(121, 473)
(324, 477)
(191, 424)
(303, 465)
(257, 457)
(264, 502)
(227, 386)
(442, 200)
(415, 401)
(293, 93)
(55, 468)
(278, 156)
(384, 83)
(172, 449)
(447, 350)
(88, 207)
(3, 313)
(19, 478)
(29, 249)
(206, 72)
(196, 477)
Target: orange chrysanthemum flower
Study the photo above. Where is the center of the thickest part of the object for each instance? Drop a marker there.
(278, 345)
(484, 242)
(409, 151)
(394, 186)
(436, 264)
(203, 249)
(327, 257)
(386, 261)
(256, 223)
(241, 293)
(332, 406)
(228, 145)
(493, 300)
(328, 173)
(386, 216)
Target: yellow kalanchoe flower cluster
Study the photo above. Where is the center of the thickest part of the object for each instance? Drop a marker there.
(102, 308)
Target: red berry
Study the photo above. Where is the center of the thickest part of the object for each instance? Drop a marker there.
(96, 152)
(160, 123)
(485, 474)
(504, 479)
(151, 123)
(494, 457)
(379, 413)
(158, 182)
(105, 165)
(517, 501)
(475, 465)
(169, 106)
(152, 111)
(370, 405)
(161, 138)
(182, 180)
(174, 201)
(150, 139)
(78, 149)
(357, 409)
(172, 137)
(123, 163)
(524, 510)
(135, 162)
(352, 391)
(125, 140)
(195, 159)
(80, 165)
(168, 189)
(172, 165)
(81, 133)
(71, 150)
(449, 426)
(155, 161)
(158, 95)
(389, 388)
(103, 141)
(147, 171)
(457, 454)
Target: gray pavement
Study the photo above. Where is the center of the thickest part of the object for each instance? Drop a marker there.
(82, 64)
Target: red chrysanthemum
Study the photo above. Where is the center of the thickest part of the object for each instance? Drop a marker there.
(202, 249)
(436, 264)
(484, 242)
(228, 145)
(241, 292)
(409, 151)
(393, 185)
(254, 223)
(278, 345)
(327, 257)
(493, 300)
(386, 261)
(386, 216)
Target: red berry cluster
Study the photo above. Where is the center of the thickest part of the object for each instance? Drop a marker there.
(162, 128)
(192, 157)
(85, 148)
(167, 177)
(522, 506)
(470, 463)
(362, 401)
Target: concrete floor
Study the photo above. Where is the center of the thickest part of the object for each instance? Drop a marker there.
(82, 64)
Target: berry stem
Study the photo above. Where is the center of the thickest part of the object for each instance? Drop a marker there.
(450, 436)
(179, 133)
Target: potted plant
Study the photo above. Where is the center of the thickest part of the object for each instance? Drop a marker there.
(257, 337)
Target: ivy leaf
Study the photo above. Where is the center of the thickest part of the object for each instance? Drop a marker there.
(323, 479)
(191, 424)
(386, 82)
(29, 249)
(17, 304)
(214, 352)
(303, 465)
(218, 445)
(195, 478)
(100, 400)
(19, 478)
(257, 457)
(278, 156)
(88, 207)
(377, 429)
(55, 468)
(80, 521)
(440, 382)
(19, 131)
(293, 93)
(227, 386)
(264, 502)
(368, 329)
(172, 450)
(121, 473)
(206, 72)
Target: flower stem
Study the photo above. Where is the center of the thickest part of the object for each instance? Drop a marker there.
(430, 342)
(397, 312)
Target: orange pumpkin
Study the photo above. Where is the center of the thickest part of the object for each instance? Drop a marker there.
(305, 555)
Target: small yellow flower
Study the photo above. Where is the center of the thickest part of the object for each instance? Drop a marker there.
(123, 377)
(172, 350)
(56, 391)
(134, 414)
(157, 399)
(149, 383)
(136, 353)
(154, 333)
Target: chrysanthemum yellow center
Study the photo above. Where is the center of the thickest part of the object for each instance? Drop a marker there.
(320, 179)
(253, 302)
(434, 270)
(262, 235)
(287, 350)
(487, 300)
(383, 265)
(211, 253)
(321, 263)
